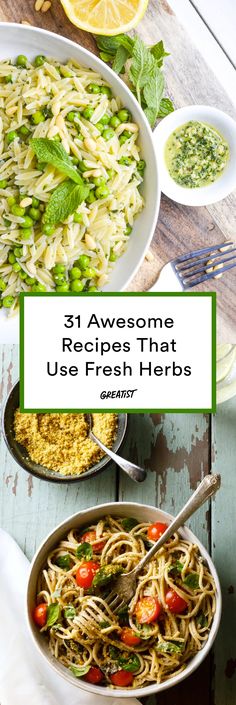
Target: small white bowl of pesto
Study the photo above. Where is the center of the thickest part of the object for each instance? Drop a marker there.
(196, 152)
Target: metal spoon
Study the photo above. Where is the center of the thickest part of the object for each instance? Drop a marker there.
(134, 471)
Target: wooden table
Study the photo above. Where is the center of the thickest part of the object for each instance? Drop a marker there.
(189, 80)
(178, 450)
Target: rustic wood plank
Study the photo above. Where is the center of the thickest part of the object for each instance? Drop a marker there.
(223, 550)
(179, 229)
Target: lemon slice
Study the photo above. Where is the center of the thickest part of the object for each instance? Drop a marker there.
(107, 17)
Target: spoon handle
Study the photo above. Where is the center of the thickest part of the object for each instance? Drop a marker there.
(209, 485)
(136, 473)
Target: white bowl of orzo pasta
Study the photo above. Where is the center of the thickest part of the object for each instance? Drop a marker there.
(153, 643)
(79, 188)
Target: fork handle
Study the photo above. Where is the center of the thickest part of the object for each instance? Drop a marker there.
(167, 280)
(209, 485)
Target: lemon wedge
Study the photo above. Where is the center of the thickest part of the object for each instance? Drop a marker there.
(106, 17)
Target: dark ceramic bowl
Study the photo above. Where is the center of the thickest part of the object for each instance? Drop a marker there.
(20, 454)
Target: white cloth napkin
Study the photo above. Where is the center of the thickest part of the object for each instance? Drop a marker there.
(25, 676)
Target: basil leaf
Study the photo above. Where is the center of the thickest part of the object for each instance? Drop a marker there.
(128, 523)
(69, 612)
(54, 153)
(202, 620)
(104, 624)
(84, 551)
(165, 107)
(53, 613)
(147, 543)
(120, 59)
(159, 53)
(79, 671)
(192, 581)
(169, 647)
(131, 663)
(105, 574)
(175, 569)
(64, 201)
(64, 561)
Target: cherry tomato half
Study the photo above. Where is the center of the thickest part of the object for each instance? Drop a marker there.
(85, 574)
(40, 614)
(156, 530)
(175, 603)
(94, 675)
(122, 678)
(147, 609)
(90, 537)
(129, 637)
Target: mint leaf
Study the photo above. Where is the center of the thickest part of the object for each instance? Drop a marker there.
(53, 613)
(192, 581)
(64, 201)
(54, 153)
(64, 561)
(142, 66)
(169, 647)
(159, 53)
(120, 59)
(84, 551)
(150, 115)
(153, 90)
(165, 107)
(79, 671)
(111, 44)
(69, 612)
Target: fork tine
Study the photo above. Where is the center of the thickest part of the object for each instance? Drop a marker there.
(205, 260)
(114, 603)
(204, 250)
(211, 275)
(206, 266)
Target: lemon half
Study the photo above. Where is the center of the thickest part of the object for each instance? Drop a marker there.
(107, 17)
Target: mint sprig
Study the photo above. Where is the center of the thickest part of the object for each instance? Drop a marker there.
(64, 201)
(143, 70)
(54, 153)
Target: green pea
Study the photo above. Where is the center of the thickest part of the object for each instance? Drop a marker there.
(48, 229)
(7, 222)
(16, 267)
(75, 160)
(35, 213)
(90, 198)
(30, 281)
(92, 288)
(17, 210)
(76, 286)
(141, 165)
(114, 121)
(38, 117)
(78, 218)
(87, 113)
(8, 301)
(58, 268)
(102, 192)
(25, 233)
(56, 138)
(128, 230)
(124, 137)
(11, 200)
(82, 166)
(99, 180)
(82, 262)
(11, 258)
(39, 60)
(127, 161)
(106, 90)
(123, 115)
(71, 116)
(75, 273)
(35, 202)
(111, 173)
(89, 273)
(61, 288)
(113, 256)
(3, 183)
(104, 120)
(18, 251)
(22, 275)
(108, 133)
(27, 222)
(93, 88)
(59, 278)
(21, 61)
(8, 78)
(11, 136)
(99, 126)
(23, 130)
(38, 288)
(3, 286)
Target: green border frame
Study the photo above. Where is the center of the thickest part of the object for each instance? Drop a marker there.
(210, 294)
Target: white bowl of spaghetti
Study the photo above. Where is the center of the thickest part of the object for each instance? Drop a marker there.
(172, 619)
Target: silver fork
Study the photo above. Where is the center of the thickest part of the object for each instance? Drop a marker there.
(196, 267)
(125, 585)
(136, 473)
